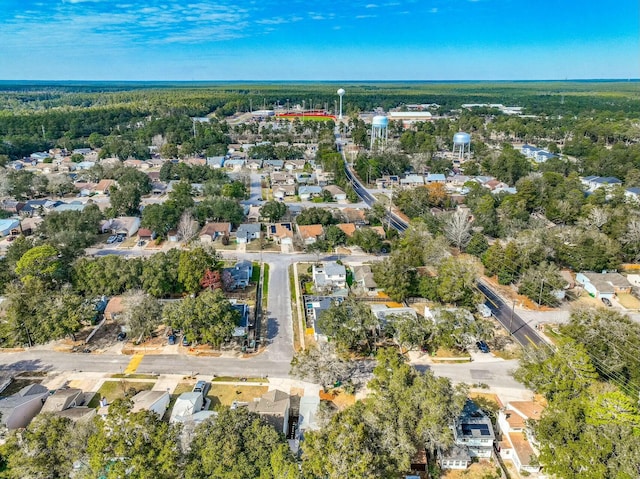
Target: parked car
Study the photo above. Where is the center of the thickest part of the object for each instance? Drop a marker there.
(141, 243)
(112, 239)
(122, 336)
(120, 237)
(185, 341)
(172, 339)
(482, 346)
(606, 302)
(11, 238)
(202, 387)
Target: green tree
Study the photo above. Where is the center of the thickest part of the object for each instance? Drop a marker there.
(40, 264)
(237, 444)
(192, 266)
(207, 318)
(457, 281)
(367, 239)
(542, 283)
(351, 325)
(47, 448)
(321, 364)
(273, 210)
(396, 275)
(137, 445)
(142, 314)
(160, 274)
(335, 236)
(477, 245)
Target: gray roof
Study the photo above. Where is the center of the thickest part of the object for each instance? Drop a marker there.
(248, 228)
(331, 268)
(62, 399)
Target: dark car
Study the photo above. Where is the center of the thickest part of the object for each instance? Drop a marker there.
(172, 339)
(122, 336)
(606, 302)
(482, 346)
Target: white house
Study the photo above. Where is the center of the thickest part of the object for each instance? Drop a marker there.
(518, 443)
(247, 232)
(595, 182)
(603, 285)
(329, 274)
(154, 401)
(186, 405)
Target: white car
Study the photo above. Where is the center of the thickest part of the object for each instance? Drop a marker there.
(484, 310)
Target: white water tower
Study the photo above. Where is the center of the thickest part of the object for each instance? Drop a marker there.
(341, 93)
(462, 145)
(379, 131)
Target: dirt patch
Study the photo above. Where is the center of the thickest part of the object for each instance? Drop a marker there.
(479, 470)
(113, 390)
(226, 394)
(339, 398)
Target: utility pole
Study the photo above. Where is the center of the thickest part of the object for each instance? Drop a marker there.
(513, 307)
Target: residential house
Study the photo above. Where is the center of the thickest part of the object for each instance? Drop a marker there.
(412, 181)
(324, 178)
(85, 165)
(632, 193)
(234, 163)
(603, 285)
(275, 165)
(63, 399)
(292, 165)
(379, 230)
(282, 233)
(383, 312)
(186, 406)
(435, 178)
(309, 234)
(254, 164)
(347, 228)
(281, 191)
(155, 401)
(12, 206)
(212, 231)
(305, 178)
(103, 187)
(594, 182)
(127, 225)
(309, 191)
(9, 227)
(280, 178)
(145, 234)
(253, 215)
(241, 274)
(247, 232)
(473, 438)
(73, 206)
(274, 408)
(308, 415)
(363, 278)
(518, 442)
(158, 188)
(329, 275)
(216, 162)
(17, 410)
(337, 193)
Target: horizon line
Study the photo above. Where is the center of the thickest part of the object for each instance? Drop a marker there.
(327, 81)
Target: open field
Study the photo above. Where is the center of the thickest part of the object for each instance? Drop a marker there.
(225, 394)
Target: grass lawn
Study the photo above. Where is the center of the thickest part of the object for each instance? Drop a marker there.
(265, 284)
(225, 394)
(478, 470)
(113, 390)
(235, 379)
(628, 301)
(134, 376)
(255, 276)
(294, 308)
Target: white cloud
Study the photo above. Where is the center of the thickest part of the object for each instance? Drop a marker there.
(371, 5)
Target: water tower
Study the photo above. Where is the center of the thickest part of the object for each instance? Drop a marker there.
(340, 94)
(462, 145)
(379, 131)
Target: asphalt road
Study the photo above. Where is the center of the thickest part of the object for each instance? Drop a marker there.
(517, 327)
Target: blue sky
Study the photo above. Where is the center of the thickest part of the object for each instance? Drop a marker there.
(321, 40)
